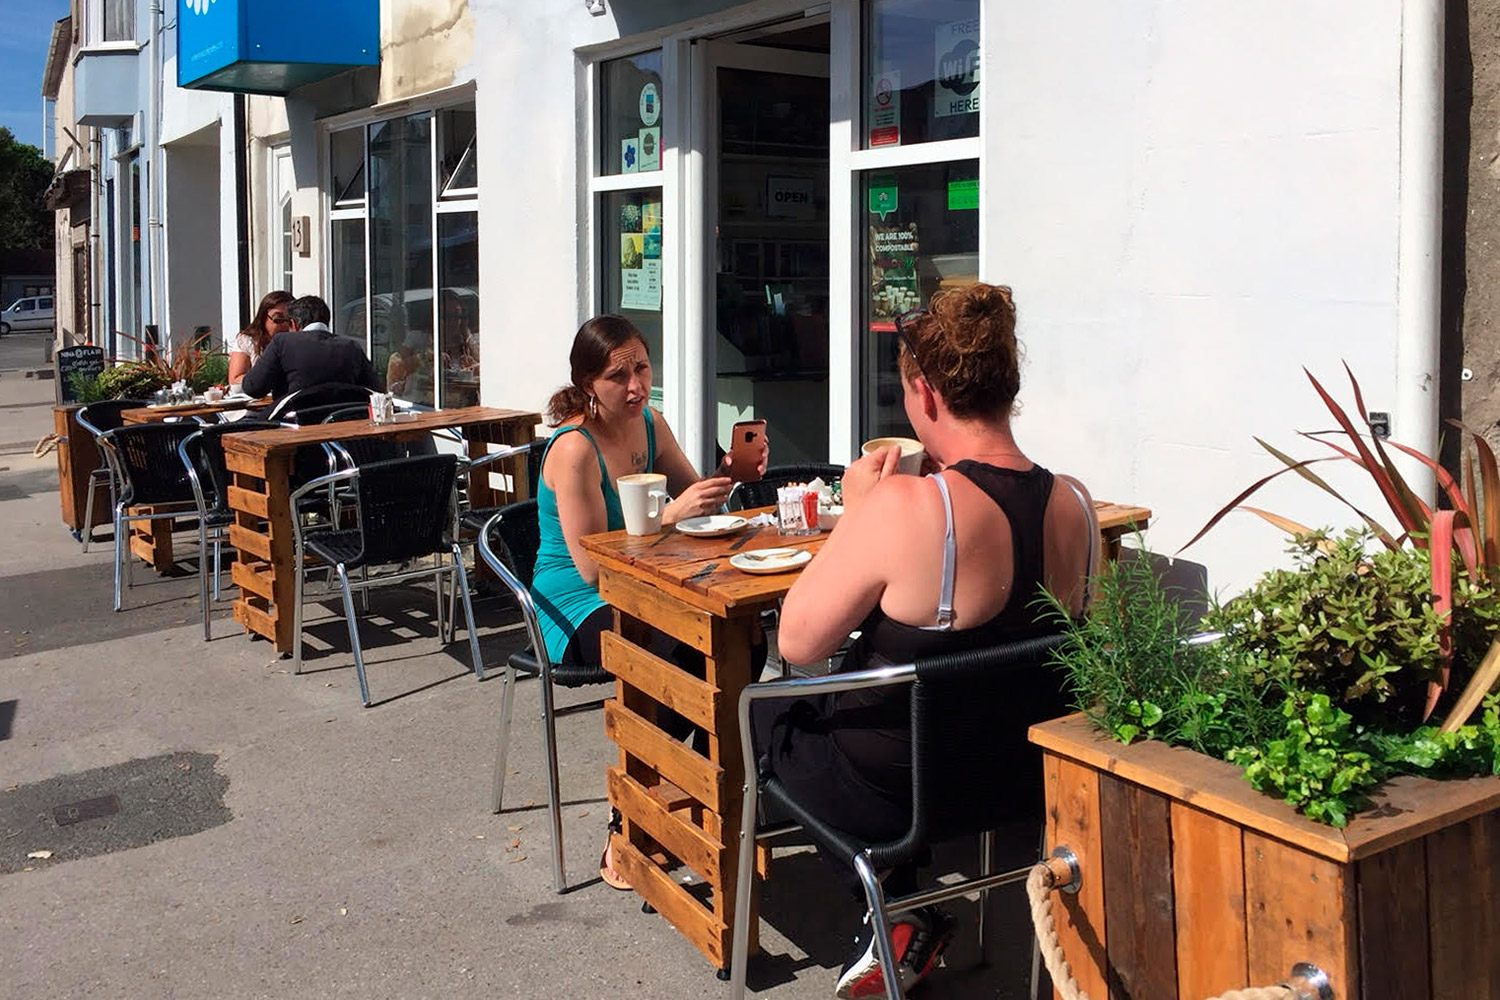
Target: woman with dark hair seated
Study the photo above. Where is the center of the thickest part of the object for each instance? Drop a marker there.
(923, 566)
(606, 429)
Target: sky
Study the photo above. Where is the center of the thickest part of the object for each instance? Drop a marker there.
(27, 30)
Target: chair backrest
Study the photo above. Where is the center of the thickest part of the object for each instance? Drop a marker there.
(363, 451)
(508, 545)
(96, 418)
(406, 506)
(972, 766)
(306, 416)
(514, 535)
(331, 394)
(205, 451)
(146, 458)
(763, 494)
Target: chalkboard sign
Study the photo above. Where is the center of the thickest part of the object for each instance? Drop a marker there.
(84, 360)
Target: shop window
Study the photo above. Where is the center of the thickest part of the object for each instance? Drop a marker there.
(458, 308)
(401, 302)
(631, 112)
(458, 166)
(631, 240)
(922, 71)
(348, 302)
(283, 184)
(921, 239)
(347, 157)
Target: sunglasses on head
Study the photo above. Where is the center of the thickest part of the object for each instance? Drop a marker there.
(902, 322)
(278, 317)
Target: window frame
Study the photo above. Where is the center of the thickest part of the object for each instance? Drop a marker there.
(464, 200)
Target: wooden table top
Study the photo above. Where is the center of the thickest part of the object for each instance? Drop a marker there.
(156, 414)
(679, 563)
(262, 443)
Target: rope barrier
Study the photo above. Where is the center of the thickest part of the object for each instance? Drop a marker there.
(1047, 876)
(47, 443)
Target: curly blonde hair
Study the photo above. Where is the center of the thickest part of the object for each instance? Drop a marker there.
(964, 345)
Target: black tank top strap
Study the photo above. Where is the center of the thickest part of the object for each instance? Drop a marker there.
(1022, 497)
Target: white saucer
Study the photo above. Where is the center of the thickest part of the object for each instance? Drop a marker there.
(711, 526)
(770, 560)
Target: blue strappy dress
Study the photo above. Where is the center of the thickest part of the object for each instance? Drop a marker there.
(563, 599)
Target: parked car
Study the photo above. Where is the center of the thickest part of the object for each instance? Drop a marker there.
(34, 312)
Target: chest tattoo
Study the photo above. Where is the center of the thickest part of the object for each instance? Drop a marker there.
(638, 460)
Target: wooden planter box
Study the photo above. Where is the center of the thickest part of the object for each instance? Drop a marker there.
(1194, 883)
(77, 456)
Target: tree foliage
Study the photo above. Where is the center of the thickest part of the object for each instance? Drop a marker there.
(25, 223)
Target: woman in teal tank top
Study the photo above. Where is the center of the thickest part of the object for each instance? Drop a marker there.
(606, 429)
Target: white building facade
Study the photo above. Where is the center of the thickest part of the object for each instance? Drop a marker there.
(1190, 202)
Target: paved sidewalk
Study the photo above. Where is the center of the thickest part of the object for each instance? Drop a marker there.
(339, 851)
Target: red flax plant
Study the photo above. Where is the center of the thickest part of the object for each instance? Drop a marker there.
(1470, 526)
(182, 362)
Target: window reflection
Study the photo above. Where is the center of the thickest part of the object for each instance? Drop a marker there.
(922, 238)
(401, 208)
(458, 307)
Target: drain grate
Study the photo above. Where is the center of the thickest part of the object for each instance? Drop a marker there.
(79, 812)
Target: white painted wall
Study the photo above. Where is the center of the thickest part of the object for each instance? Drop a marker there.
(194, 295)
(1193, 201)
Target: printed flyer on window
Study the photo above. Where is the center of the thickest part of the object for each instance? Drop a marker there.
(640, 253)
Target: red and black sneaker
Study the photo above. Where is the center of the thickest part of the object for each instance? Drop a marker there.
(917, 939)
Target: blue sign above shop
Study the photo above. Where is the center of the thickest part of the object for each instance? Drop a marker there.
(273, 46)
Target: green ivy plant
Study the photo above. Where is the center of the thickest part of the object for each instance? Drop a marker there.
(1317, 765)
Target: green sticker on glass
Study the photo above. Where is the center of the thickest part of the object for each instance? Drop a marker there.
(883, 195)
(963, 195)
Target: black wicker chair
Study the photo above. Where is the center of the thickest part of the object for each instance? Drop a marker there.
(508, 544)
(333, 394)
(745, 496)
(972, 770)
(202, 454)
(96, 418)
(150, 472)
(403, 512)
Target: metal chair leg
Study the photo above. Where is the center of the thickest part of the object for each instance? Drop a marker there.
(298, 572)
(353, 622)
(218, 566)
(986, 867)
(875, 897)
(203, 600)
(462, 582)
(554, 795)
(88, 510)
(119, 570)
(739, 950)
(507, 704)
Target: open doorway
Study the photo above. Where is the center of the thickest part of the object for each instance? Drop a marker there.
(766, 194)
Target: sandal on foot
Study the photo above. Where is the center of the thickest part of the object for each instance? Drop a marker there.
(607, 873)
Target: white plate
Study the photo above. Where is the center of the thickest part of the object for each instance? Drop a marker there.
(711, 526)
(770, 560)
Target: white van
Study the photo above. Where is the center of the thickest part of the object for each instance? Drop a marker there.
(31, 313)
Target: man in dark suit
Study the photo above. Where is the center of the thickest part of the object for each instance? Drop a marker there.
(309, 354)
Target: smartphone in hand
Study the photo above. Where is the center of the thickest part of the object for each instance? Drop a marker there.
(746, 445)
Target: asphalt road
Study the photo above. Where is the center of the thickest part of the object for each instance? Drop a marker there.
(24, 350)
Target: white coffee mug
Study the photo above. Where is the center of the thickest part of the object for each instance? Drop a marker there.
(643, 497)
(912, 452)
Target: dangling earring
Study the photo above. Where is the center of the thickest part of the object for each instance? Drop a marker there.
(594, 407)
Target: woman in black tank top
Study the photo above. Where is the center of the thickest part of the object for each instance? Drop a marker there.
(927, 565)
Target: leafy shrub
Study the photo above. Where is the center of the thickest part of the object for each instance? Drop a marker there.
(212, 370)
(85, 388)
(132, 381)
(1133, 673)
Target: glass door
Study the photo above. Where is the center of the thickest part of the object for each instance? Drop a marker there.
(764, 251)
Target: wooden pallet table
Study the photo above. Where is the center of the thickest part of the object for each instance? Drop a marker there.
(260, 464)
(680, 808)
(1195, 884)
